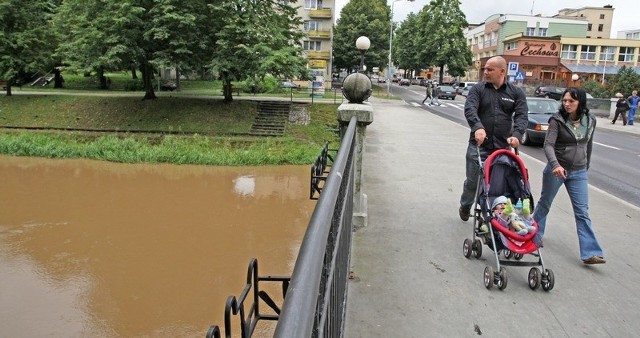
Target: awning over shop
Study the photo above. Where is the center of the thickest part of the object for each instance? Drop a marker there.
(596, 69)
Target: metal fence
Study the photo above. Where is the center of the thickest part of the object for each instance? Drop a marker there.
(315, 296)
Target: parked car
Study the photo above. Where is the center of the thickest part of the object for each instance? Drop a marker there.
(447, 92)
(465, 91)
(416, 80)
(424, 82)
(549, 92)
(382, 80)
(462, 85)
(405, 82)
(288, 84)
(540, 109)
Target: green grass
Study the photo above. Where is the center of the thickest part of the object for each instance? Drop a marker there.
(170, 129)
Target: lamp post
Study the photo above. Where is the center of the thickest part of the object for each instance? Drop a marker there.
(362, 43)
(604, 68)
(390, 45)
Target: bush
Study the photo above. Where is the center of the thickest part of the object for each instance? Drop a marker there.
(133, 85)
(594, 88)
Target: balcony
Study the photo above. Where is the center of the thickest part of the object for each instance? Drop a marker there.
(319, 34)
(316, 54)
(320, 13)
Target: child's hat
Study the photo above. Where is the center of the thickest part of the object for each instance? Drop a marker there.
(498, 200)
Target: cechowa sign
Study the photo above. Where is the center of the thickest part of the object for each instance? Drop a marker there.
(539, 49)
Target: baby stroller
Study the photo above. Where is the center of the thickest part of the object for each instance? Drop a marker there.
(504, 174)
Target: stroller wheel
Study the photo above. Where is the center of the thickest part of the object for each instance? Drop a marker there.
(534, 278)
(502, 279)
(467, 248)
(518, 256)
(488, 277)
(477, 248)
(548, 280)
(507, 253)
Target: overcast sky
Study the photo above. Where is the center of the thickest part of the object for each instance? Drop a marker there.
(626, 15)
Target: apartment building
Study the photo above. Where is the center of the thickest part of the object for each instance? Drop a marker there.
(598, 19)
(495, 36)
(318, 18)
(554, 49)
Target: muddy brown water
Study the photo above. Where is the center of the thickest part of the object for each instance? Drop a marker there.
(99, 249)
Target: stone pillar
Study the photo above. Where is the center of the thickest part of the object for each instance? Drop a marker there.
(612, 109)
(357, 88)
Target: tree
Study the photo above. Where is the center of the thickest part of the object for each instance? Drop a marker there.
(26, 38)
(626, 81)
(370, 18)
(441, 25)
(98, 36)
(245, 50)
(406, 47)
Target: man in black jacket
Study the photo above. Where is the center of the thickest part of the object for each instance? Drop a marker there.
(497, 113)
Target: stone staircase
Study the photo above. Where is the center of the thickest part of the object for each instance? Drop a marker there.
(272, 118)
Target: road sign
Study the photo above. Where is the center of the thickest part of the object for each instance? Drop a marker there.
(513, 68)
(519, 76)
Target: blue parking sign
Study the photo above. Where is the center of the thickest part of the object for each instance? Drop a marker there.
(513, 68)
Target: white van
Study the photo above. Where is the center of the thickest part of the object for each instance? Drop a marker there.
(462, 85)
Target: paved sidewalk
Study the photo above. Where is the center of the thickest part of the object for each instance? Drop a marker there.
(411, 279)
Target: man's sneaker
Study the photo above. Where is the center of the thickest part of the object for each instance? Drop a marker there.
(464, 214)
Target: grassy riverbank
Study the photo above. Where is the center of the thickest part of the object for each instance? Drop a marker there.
(170, 129)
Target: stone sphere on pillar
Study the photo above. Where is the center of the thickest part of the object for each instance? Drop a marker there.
(356, 88)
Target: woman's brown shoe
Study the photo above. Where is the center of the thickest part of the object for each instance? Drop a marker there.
(594, 260)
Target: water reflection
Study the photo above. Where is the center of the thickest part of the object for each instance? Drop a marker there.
(92, 248)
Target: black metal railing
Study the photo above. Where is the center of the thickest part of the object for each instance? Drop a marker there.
(320, 170)
(315, 296)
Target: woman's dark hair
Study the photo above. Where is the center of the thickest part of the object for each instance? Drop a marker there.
(577, 94)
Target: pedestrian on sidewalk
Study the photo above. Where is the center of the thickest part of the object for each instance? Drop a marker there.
(491, 108)
(436, 93)
(429, 91)
(568, 145)
(633, 106)
(621, 109)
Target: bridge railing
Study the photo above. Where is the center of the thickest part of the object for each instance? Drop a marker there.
(315, 296)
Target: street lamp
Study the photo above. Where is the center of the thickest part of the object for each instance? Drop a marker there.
(362, 43)
(390, 45)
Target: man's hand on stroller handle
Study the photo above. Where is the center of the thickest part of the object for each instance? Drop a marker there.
(480, 135)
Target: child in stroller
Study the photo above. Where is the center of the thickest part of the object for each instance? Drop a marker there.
(516, 219)
(505, 178)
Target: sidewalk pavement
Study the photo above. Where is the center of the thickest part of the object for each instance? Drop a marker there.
(411, 278)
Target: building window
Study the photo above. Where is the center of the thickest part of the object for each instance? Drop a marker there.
(542, 32)
(311, 25)
(512, 45)
(588, 53)
(607, 53)
(530, 31)
(312, 45)
(312, 4)
(633, 36)
(601, 16)
(589, 27)
(626, 54)
(600, 27)
(569, 52)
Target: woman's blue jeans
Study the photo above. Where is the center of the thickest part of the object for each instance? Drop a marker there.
(577, 185)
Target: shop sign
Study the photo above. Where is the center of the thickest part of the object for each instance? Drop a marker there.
(539, 49)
